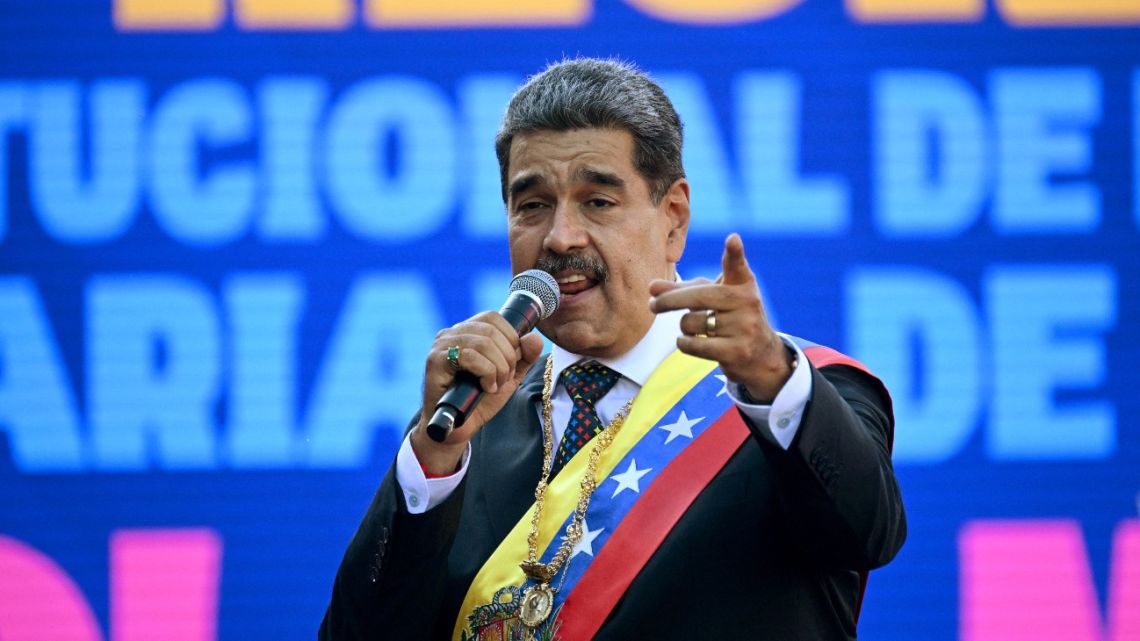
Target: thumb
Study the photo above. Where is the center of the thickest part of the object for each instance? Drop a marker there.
(531, 348)
(734, 267)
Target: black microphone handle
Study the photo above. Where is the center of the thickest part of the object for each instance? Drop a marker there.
(453, 407)
(456, 404)
(521, 312)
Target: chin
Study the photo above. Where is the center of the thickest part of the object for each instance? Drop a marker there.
(578, 338)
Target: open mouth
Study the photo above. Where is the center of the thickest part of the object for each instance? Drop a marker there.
(570, 284)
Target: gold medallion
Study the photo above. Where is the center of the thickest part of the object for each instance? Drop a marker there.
(537, 602)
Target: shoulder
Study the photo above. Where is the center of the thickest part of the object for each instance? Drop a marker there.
(851, 378)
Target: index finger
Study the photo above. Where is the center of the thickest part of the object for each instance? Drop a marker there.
(734, 266)
(501, 324)
(505, 338)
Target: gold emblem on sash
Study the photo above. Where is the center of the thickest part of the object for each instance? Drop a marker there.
(538, 601)
(501, 620)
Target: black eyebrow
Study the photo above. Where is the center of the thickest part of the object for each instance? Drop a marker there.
(522, 184)
(599, 177)
(585, 174)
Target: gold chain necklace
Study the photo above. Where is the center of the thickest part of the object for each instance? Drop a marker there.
(538, 600)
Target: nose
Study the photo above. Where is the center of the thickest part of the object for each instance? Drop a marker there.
(566, 232)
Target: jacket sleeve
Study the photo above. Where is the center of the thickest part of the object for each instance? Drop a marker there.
(390, 582)
(838, 492)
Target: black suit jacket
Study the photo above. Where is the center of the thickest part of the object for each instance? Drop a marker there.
(773, 548)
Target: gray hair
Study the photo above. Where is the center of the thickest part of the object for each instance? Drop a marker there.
(607, 94)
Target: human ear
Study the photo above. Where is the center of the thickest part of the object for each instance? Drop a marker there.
(675, 207)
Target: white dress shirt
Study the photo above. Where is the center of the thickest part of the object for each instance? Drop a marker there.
(782, 416)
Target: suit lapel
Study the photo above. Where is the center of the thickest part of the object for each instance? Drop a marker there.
(512, 446)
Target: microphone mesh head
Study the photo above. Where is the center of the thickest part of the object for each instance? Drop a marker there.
(542, 285)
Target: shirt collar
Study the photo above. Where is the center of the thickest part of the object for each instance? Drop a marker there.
(640, 361)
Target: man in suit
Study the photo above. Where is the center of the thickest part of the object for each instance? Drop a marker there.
(738, 481)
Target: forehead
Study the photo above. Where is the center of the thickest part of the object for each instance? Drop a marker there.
(565, 156)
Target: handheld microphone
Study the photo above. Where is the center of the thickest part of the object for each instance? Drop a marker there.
(533, 296)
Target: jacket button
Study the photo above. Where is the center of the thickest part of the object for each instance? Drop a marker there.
(374, 569)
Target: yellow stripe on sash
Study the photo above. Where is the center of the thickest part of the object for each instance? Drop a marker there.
(668, 384)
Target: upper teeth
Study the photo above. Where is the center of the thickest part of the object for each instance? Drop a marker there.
(570, 279)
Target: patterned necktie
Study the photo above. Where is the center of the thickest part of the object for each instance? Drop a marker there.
(586, 383)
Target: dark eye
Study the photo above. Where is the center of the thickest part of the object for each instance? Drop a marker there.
(599, 203)
(531, 205)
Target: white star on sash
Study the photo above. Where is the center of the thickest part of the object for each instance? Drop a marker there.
(630, 479)
(586, 543)
(724, 379)
(683, 427)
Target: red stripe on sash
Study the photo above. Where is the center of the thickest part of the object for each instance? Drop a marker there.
(653, 516)
(821, 356)
(646, 524)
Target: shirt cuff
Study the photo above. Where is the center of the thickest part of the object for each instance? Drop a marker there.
(421, 493)
(784, 414)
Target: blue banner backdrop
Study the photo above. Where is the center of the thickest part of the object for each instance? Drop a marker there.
(229, 231)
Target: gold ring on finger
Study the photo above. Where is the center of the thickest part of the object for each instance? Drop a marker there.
(710, 322)
(453, 356)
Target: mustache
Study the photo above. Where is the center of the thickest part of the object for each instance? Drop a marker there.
(592, 266)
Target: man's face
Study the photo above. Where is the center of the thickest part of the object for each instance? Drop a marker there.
(577, 206)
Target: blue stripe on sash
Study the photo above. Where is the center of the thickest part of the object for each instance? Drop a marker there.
(613, 498)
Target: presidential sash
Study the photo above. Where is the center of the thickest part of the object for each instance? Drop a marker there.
(681, 431)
